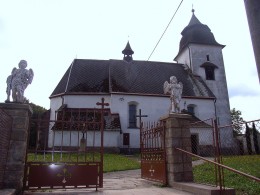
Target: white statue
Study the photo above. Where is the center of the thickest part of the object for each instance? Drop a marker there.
(175, 90)
(18, 81)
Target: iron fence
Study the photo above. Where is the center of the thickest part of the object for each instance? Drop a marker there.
(225, 158)
(66, 153)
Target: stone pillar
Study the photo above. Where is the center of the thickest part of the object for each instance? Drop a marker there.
(177, 135)
(15, 163)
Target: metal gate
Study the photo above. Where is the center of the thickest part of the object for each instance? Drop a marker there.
(67, 152)
(5, 133)
(153, 156)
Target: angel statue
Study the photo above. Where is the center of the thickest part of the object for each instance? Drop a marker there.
(175, 90)
(18, 81)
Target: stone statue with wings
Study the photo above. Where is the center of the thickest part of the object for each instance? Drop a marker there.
(175, 90)
(18, 81)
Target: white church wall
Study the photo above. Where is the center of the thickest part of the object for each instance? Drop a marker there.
(153, 106)
(55, 104)
(86, 101)
(205, 135)
(72, 138)
(204, 108)
(183, 57)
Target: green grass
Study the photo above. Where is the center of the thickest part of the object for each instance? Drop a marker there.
(112, 162)
(248, 164)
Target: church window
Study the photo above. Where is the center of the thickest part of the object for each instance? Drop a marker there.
(132, 115)
(210, 73)
(191, 109)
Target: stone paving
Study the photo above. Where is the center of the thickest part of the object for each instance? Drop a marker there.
(123, 183)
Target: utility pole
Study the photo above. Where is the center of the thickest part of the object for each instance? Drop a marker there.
(253, 17)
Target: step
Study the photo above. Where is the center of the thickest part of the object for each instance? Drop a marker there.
(201, 189)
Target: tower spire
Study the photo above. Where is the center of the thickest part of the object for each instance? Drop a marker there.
(128, 52)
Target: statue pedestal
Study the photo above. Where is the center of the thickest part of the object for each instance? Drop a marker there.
(16, 144)
(82, 146)
(177, 135)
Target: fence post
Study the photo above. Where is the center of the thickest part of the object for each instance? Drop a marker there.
(177, 135)
(16, 155)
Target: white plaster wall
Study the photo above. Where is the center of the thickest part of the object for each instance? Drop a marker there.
(217, 86)
(55, 105)
(183, 57)
(205, 135)
(72, 138)
(85, 101)
(153, 106)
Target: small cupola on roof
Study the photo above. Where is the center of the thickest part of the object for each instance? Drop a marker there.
(196, 32)
(128, 52)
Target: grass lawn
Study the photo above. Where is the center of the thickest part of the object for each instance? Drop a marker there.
(112, 162)
(248, 164)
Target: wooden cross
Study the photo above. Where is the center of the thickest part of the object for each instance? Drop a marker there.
(102, 103)
(141, 116)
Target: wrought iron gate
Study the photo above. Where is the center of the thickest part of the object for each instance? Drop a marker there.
(68, 151)
(153, 157)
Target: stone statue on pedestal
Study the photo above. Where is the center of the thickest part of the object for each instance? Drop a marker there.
(175, 90)
(18, 81)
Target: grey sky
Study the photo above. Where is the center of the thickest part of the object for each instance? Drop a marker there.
(50, 34)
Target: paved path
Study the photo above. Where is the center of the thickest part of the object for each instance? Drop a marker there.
(120, 183)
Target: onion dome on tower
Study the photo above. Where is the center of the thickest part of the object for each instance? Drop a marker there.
(196, 33)
(128, 52)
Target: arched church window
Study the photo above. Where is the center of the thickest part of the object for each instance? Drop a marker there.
(132, 109)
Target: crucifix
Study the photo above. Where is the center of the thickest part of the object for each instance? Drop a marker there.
(102, 103)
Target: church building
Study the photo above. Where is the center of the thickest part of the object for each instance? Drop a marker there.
(130, 85)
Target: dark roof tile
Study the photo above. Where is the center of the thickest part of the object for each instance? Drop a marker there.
(135, 77)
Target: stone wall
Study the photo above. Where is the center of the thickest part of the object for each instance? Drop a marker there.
(5, 132)
(14, 169)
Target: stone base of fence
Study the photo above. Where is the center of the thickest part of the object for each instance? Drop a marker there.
(177, 135)
(15, 162)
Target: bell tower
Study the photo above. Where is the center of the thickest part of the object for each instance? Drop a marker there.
(203, 54)
(128, 52)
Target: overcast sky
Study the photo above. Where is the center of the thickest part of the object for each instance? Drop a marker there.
(49, 34)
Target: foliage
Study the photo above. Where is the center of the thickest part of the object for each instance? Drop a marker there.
(248, 140)
(37, 110)
(237, 121)
(256, 145)
(204, 173)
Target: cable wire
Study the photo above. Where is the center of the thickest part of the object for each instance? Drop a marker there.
(165, 30)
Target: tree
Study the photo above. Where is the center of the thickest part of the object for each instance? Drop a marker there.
(37, 111)
(248, 140)
(237, 121)
(256, 145)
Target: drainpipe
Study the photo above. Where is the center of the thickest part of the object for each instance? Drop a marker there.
(215, 109)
